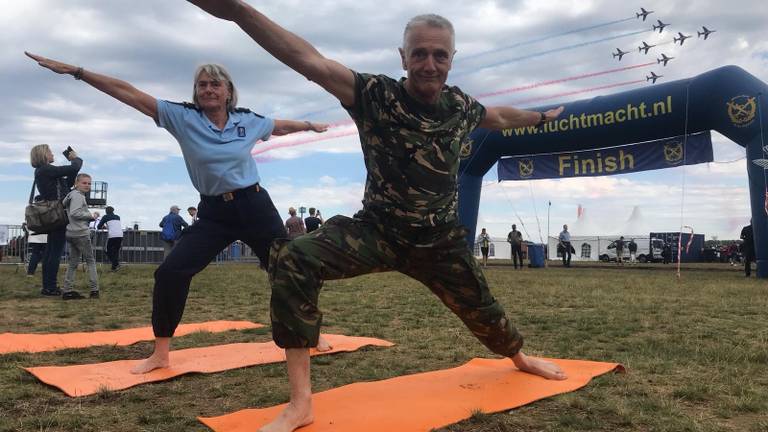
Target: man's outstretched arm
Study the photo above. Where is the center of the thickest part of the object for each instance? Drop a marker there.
(497, 118)
(289, 48)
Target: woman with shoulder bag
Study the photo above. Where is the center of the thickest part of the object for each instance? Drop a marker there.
(53, 183)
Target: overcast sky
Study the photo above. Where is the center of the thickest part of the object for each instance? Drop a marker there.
(156, 46)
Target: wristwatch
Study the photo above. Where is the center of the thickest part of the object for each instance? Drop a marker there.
(542, 120)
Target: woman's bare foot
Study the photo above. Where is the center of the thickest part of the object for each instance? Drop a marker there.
(537, 366)
(323, 345)
(149, 364)
(293, 417)
(158, 359)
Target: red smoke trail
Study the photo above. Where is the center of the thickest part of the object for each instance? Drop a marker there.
(575, 92)
(326, 136)
(562, 80)
(263, 148)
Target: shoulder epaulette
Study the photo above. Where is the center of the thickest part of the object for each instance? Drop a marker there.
(187, 105)
(247, 111)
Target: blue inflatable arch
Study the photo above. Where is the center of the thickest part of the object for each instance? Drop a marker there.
(728, 100)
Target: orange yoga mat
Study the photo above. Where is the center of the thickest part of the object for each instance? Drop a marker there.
(88, 379)
(422, 402)
(19, 342)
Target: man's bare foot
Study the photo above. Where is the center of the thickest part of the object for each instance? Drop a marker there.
(151, 363)
(323, 345)
(537, 366)
(293, 417)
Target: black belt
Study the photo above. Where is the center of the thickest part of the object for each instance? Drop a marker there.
(233, 195)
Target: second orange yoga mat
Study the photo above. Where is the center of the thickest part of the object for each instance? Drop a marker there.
(33, 342)
(422, 402)
(88, 379)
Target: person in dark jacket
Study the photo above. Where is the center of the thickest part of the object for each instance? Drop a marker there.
(748, 248)
(54, 183)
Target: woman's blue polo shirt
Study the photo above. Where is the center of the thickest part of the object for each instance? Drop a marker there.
(218, 161)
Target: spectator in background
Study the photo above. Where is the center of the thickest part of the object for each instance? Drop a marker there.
(733, 250)
(314, 220)
(193, 213)
(666, 253)
(748, 248)
(53, 183)
(515, 240)
(114, 236)
(632, 246)
(564, 246)
(78, 238)
(95, 222)
(620, 250)
(485, 245)
(172, 225)
(293, 225)
(37, 248)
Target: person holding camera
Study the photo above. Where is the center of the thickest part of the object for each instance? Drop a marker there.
(216, 138)
(53, 182)
(314, 220)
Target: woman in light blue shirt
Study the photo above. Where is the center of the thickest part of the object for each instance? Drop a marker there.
(216, 139)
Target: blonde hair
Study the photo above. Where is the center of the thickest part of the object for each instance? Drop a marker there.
(216, 72)
(38, 156)
(82, 175)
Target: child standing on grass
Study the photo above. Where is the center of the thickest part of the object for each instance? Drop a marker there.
(78, 238)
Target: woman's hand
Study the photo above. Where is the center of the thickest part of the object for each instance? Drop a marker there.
(56, 66)
(317, 127)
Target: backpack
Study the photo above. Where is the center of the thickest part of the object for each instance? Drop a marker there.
(168, 233)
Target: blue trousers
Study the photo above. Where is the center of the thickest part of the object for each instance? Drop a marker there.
(52, 258)
(35, 256)
(250, 217)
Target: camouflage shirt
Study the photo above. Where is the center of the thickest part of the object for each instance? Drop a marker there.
(411, 149)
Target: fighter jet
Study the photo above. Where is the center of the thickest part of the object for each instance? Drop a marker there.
(619, 53)
(706, 32)
(645, 47)
(643, 13)
(653, 77)
(681, 39)
(660, 26)
(664, 59)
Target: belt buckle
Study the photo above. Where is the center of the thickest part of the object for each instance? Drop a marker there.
(227, 196)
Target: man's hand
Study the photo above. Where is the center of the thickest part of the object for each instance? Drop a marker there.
(224, 9)
(554, 113)
(58, 67)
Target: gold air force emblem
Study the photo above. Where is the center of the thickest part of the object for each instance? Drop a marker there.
(466, 148)
(673, 152)
(525, 166)
(742, 110)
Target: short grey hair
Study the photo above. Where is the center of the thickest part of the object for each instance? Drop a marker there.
(432, 20)
(216, 72)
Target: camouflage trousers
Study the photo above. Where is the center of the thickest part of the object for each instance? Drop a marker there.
(346, 247)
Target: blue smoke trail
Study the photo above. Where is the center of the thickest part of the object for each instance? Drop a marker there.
(543, 38)
(528, 42)
(542, 53)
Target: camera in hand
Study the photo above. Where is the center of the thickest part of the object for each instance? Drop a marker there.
(67, 152)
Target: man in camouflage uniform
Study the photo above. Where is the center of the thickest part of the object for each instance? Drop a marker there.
(411, 132)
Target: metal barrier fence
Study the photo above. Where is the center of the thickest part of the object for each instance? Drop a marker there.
(138, 247)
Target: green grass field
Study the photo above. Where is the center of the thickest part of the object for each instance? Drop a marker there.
(696, 351)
